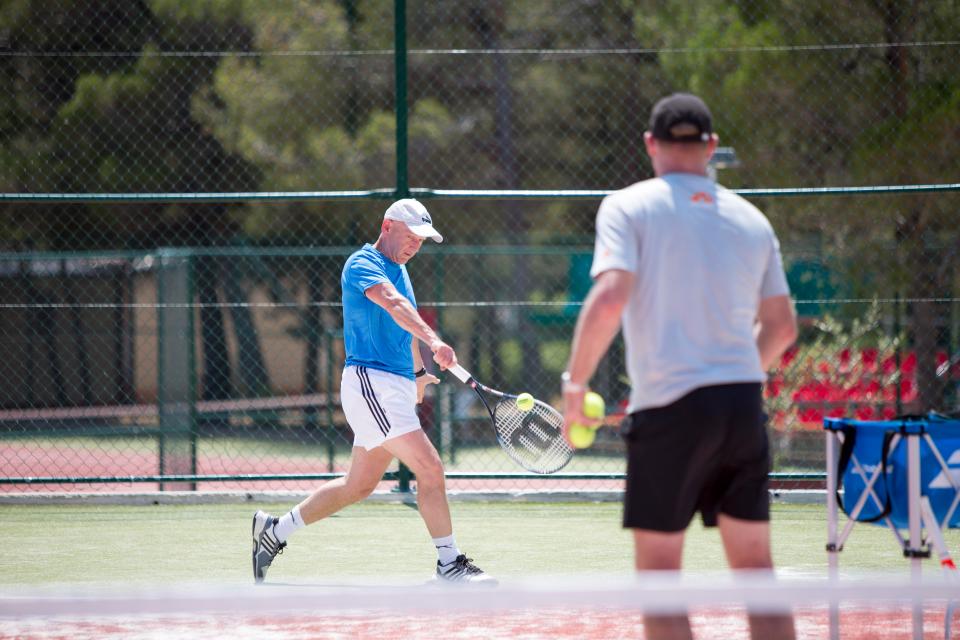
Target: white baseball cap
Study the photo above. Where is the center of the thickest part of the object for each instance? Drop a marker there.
(413, 214)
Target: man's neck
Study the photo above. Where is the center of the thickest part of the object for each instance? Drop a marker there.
(697, 171)
(380, 245)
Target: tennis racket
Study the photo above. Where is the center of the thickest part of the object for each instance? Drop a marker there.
(534, 438)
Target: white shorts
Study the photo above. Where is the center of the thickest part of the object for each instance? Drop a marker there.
(378, 405)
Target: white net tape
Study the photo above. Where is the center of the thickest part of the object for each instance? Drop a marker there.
(555, 607)
(660, 592)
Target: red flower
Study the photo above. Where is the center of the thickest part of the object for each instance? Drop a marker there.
(889, 365)
(909, 364)
(788, 356)
(908, 392)
(864, 413)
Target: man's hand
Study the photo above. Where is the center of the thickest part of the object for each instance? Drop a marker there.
(573, 411)
(422, 382)
(443, 354)
(597, 325)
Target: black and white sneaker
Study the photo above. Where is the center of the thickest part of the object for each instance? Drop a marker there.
(463, 571)
(266, 547)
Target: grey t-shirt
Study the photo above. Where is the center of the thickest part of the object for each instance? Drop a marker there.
(703, 258)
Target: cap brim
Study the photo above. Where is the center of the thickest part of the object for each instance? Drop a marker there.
(426, 231)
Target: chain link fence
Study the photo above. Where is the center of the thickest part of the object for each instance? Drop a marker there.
(182, 183)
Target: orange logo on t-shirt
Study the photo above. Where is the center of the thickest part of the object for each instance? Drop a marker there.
(701, 196)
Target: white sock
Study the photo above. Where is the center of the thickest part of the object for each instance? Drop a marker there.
(447, 550)
(288, 524)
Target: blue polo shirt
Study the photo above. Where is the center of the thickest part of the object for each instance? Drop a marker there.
(371, 337)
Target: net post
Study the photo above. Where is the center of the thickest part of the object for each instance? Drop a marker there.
(176, 370)
(833, 559)
(913, 515)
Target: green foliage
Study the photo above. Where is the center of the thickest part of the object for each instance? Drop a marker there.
(294, 96)
(862, 331)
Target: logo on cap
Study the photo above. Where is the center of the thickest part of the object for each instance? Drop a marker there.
(413, 214)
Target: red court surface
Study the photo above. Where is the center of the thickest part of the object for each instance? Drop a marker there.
(716, 624)
(25, 459)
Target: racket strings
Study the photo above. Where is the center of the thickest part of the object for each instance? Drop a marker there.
(534, 438)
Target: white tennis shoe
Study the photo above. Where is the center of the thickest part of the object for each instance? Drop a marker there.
(463, 571)
(266, 547)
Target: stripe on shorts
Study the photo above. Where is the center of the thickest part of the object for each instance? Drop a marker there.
(375, 409)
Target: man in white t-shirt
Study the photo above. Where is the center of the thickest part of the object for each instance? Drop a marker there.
(692, 272)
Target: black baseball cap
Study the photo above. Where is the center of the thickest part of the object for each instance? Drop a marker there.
(681, 117)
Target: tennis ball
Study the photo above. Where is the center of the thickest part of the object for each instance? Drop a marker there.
(593, 405)
(524, 402)
(582, 436)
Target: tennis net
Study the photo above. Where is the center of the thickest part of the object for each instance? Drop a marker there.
(596, 606)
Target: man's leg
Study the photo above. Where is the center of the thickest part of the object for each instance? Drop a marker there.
(659, 551)
(270, 534)
(747, 545)
(416, 451)
(365, 472)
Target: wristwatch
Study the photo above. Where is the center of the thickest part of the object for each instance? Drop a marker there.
(422, 372)
(570, 385)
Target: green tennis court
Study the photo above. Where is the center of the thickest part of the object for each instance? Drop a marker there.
(211, 543)
(183, 571)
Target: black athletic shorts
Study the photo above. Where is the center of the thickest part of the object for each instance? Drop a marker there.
(706, 452)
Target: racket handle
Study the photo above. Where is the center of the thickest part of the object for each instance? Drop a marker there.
(460, 372)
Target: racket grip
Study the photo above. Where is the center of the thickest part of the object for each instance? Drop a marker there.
(460, 372)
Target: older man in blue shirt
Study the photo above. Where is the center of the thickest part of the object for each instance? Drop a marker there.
(383, 381)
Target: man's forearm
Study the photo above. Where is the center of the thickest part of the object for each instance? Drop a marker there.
(415, 353)
(772, 342)
(597, 326)
(405, 315)
(776, 329)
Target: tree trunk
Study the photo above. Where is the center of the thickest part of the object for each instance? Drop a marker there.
(489, 23)
(913, 245)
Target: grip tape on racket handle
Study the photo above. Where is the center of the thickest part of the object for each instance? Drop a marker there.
(460, 372)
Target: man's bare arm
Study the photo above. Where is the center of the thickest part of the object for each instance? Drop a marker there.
(597, 326)
(598, 323)
(415, 354)
(425, 379)
(776, 329)
(405, 315)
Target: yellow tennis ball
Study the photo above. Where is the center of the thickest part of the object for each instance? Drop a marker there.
(593, 405)
(582, 436)
(524, 402)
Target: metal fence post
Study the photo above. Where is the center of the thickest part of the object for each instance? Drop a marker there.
(400, 80)
(176, 367)
(403, 184)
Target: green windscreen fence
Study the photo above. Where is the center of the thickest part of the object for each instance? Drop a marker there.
(181, 183)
